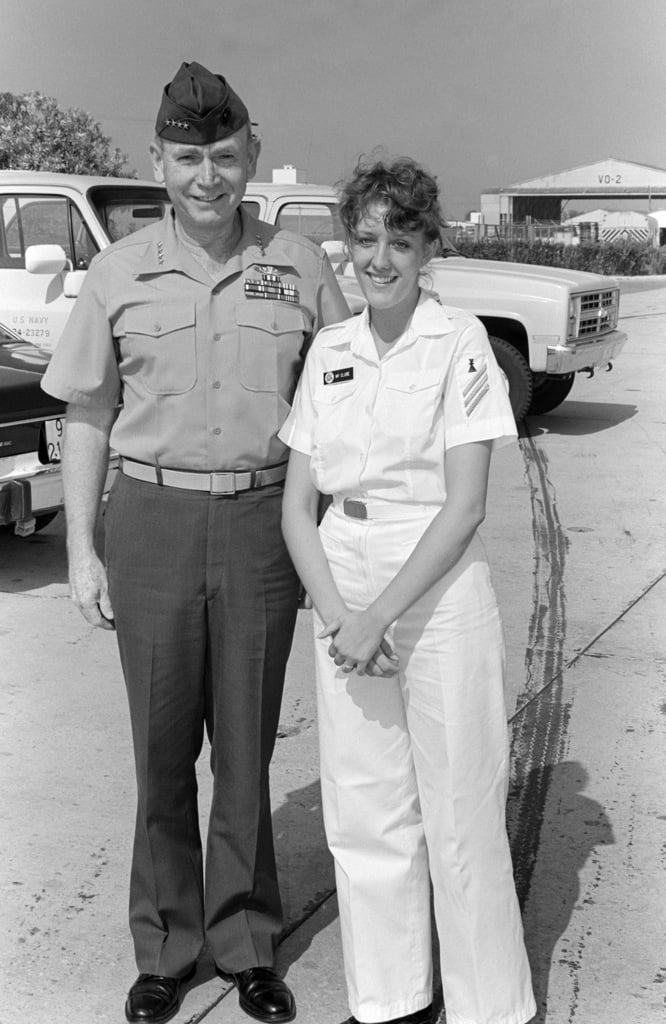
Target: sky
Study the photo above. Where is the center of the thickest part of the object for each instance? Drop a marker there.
(484, 93)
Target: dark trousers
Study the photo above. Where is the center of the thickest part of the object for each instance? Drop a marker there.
(204, 596)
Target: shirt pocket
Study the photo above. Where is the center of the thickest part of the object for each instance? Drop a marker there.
(410, 403)
(333, 404)
(159, 346)
(270, 339)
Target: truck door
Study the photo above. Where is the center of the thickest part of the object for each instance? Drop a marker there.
(34, 305)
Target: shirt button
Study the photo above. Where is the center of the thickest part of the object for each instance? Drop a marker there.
(217, 384)
(217, 337)
(157, 327)
(217, 430)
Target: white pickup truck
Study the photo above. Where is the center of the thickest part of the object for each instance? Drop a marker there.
(545, 325)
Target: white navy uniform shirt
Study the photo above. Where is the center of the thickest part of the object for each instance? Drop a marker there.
(379, 429)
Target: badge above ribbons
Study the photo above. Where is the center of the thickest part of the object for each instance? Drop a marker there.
(270, 285)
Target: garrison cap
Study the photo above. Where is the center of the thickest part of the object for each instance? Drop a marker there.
(199, 107)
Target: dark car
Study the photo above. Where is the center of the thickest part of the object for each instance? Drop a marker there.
(31, 425)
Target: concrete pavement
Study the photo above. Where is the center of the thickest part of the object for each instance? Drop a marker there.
(575, 538)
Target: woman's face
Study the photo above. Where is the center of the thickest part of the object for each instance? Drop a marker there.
(387, 263)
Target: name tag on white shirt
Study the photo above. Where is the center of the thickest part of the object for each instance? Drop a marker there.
(337, 376)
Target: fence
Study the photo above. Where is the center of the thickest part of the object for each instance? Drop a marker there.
(551, 232)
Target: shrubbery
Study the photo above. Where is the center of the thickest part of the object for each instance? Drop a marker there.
(627, 259)
(38, 135)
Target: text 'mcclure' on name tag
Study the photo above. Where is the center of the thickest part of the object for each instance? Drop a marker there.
(336, 376)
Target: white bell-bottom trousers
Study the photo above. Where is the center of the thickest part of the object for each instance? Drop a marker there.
(414, 774)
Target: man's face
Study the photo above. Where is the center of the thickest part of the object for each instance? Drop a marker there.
(206, 183)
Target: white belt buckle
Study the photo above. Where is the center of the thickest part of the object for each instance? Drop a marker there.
(222, 483)
(355, 508)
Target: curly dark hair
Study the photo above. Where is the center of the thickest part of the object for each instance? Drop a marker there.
(411, 194)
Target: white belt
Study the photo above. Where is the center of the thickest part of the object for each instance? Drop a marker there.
(214, 483)
(357, 508)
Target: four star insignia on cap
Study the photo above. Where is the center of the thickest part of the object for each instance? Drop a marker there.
(170, 123)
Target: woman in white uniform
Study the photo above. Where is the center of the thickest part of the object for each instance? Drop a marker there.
(396, 416)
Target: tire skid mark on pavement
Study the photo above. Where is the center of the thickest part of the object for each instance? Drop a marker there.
(547, 627)
(539, 724)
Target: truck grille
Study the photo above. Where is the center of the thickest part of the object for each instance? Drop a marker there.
(598, 312)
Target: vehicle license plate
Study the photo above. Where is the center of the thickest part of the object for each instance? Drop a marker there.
(54, 439)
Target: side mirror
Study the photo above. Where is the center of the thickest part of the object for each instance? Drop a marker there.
(45, 259)
(72, 283)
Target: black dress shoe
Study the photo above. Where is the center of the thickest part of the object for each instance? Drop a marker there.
(153, 999)
(263, 995)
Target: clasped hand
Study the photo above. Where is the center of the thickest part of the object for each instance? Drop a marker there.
(358, 643)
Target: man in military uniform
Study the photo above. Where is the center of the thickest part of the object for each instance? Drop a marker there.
(182, 352)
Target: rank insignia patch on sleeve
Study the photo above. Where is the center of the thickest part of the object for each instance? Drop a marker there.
(475, 383)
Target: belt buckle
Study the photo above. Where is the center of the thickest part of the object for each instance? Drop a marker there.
(222, 483)
(354, 508)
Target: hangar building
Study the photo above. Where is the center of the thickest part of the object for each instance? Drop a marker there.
(541, 199)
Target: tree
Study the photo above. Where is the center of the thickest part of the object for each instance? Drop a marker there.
(38, 135)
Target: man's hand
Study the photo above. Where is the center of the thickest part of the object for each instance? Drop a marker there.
(90, 592)
(84, 467)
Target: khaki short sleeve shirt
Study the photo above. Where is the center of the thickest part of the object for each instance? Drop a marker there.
(203, 371)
